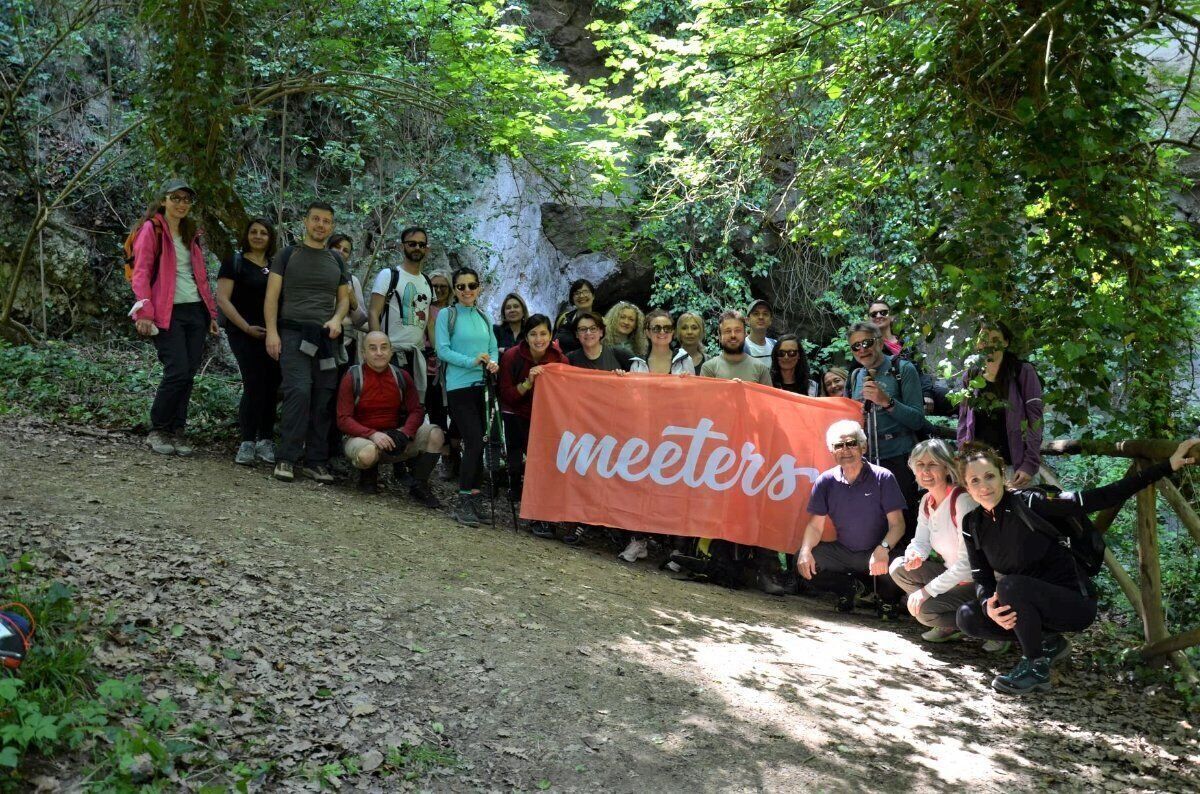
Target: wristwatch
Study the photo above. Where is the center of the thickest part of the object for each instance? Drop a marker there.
(886, 546)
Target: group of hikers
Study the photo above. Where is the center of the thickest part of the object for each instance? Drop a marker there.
(410, 377)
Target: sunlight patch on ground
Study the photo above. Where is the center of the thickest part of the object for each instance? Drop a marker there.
(869, 695)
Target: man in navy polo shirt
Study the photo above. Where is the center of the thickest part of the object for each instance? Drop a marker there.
(867, 509)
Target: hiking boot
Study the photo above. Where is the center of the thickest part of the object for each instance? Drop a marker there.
(541, 529)
(368, 480)
(996, 646)
(317, 473)
(264, 450)
(1028, 676)
(942, 634)
(673, 566)
(402, 476)
(844, 604)
(245, 454)
(1056, 647)
(888, 613)
(482, 508)
(464, 511)
(769, 583)
(182, 447)
(421, 494)
(283, 471)
(160, 442)
(636, 550)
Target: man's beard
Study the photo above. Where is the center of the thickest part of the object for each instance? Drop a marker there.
(732, 350)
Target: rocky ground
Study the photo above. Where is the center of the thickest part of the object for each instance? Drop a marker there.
(311, 631)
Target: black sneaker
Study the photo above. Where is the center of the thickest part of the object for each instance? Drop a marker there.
(1028, 676)
(402, 475)
(421, 494)
(845, 604)
(482, 508)
(541, 529)
(317, 473)
(1056, 647)
(887, 612)
(368, 480)
(769, 583)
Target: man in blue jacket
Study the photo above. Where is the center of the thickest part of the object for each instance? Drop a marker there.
(889, 388)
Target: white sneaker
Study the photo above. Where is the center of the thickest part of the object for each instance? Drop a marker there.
(636, 550)
(265, 450)
(996, 646)
(245, 454)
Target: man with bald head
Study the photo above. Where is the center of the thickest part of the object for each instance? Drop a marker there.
(380, 412)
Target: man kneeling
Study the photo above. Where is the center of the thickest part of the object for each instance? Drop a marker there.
(380, 412)
(867, 508)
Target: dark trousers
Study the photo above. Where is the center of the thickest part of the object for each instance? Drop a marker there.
(1040, 606)
(516, 442)
(467, 413)
(260, 384)
(307, 404)
(907, 481)
(180, 348)
(838, 567)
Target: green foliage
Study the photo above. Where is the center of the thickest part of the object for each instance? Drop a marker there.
(939, 154)
(63, 703)
(108, 387)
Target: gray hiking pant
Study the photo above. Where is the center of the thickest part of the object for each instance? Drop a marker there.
(937, 611)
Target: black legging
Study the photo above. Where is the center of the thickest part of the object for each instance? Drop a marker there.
(467, 413)
(516, 442)
(1039, 605)
(260, 386)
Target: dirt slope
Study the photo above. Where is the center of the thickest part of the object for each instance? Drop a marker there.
(307, 624)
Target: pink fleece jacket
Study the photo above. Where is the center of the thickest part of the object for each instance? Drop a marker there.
(159, 296)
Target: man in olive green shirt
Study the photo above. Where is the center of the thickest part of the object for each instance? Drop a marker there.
(733, 363)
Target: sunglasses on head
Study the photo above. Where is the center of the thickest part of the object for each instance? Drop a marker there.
(880, 313)
(865, 344)
(846, 445)
(468, 286)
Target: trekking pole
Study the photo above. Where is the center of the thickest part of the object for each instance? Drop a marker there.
(497, 449)
(872, 421)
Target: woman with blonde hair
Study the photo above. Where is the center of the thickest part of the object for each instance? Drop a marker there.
(624, 322)
(689, 332)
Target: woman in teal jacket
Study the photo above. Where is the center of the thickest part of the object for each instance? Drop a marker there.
(466, 346)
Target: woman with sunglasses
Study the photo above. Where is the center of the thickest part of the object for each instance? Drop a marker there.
(466, 348)
(662, 359)
(789, 366)
(174, 306)
(582, 297)
(435, 397)
(241, 293)
(880, 314)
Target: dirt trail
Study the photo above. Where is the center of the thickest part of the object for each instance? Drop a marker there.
(307, 624)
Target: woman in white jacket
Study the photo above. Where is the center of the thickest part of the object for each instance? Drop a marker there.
(936, 589)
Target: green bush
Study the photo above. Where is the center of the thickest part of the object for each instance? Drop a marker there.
(108, 387)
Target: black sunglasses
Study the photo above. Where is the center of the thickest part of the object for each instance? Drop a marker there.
(846, 445)
(465, 287)
(881, 313)
(414, 244)
(865, 344)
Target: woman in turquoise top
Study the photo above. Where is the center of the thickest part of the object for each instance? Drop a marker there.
(466, 346)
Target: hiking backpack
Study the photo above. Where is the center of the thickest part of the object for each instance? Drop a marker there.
(128, 247)
(1077, 534)
(16, 634)
(356, 381)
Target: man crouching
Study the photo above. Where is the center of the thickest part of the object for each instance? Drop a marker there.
(867, 508)
(380, 412)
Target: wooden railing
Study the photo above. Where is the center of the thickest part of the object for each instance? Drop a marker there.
(1146, 593)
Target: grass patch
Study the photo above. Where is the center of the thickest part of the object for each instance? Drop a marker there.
(109, 387)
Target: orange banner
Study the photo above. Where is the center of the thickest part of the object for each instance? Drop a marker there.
(677, 455)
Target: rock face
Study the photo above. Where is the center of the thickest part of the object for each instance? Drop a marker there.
(564, 23)
(529, 244)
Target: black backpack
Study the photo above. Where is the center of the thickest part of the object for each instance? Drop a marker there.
(1077, 534)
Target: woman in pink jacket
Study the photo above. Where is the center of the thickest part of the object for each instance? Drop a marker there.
(174, 306)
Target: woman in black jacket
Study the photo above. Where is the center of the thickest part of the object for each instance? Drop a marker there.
(1026, 582)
